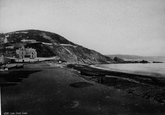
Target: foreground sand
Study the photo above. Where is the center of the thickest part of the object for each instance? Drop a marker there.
(61, 91)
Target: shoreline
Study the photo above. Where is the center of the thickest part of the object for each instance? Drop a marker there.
(145, 86)
(139, 72)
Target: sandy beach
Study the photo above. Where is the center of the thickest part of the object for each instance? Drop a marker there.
(46, 90)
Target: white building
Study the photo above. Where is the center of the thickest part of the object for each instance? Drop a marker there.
(23, 52)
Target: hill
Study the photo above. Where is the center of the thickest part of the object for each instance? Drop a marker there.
(50, 44)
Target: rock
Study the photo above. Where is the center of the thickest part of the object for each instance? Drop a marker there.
(119, 60)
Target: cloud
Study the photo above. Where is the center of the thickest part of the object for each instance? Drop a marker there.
(127, 26)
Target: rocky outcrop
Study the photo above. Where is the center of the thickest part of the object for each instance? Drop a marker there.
(119, 60)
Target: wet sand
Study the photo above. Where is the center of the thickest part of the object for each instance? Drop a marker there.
(64, 91)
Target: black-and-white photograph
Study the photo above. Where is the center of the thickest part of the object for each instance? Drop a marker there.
(82, 57)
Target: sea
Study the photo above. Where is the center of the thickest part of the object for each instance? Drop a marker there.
(140, 68)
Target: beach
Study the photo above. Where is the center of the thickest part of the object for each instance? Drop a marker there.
(77, 90)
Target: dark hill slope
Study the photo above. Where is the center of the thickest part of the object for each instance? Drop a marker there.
(56, 45)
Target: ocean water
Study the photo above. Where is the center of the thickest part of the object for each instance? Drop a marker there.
(148, 68)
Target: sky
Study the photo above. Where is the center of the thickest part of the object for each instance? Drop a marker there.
(135, 27)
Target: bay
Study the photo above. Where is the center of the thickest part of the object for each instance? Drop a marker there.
(157, 69)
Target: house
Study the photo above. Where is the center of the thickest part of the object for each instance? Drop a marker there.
(26, 52)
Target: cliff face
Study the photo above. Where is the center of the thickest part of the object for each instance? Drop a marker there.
(51, 44)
